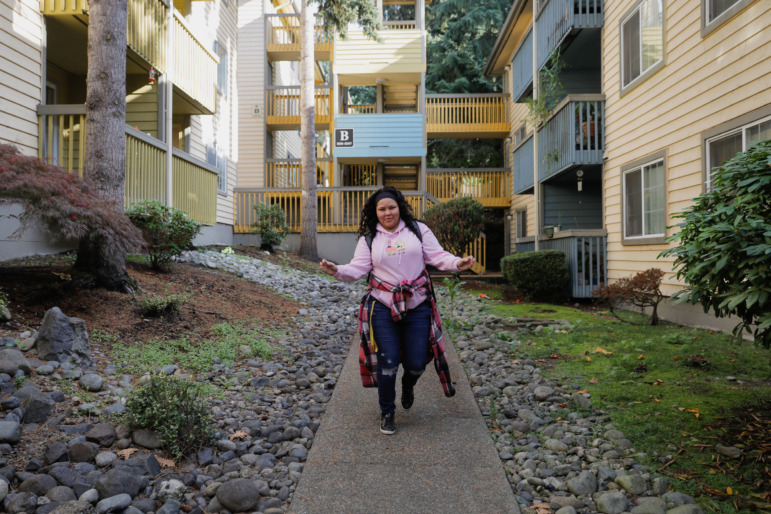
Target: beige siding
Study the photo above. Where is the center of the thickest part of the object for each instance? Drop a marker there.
(21, 55)
(706, 81)
(142, 105)
(400, 52)
(251, 90)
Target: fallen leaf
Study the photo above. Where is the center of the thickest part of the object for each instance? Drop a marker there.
(125, 454)
(677, 357)
(165, 463)
(588, 359)
(515, 362)
(729, 490)
(602, 351)
(641, 357)
(562, 405)
(657, 400)
(593, 380)
(542, 508)
(582, 391)
(239, 434)
(658, 382)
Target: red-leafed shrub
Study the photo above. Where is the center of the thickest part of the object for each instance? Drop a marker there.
(62, 204)
(641, 290)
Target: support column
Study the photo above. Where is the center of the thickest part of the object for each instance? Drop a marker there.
(169, 106)
(536, 93)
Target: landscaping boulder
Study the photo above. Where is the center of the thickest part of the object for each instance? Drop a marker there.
(63, 339)
(18, 358)
(76, 507)
(102, 434)
(120, 481)
(239, 495)
(37, 405)
(10, 432)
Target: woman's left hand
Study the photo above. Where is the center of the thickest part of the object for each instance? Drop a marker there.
(466, 263)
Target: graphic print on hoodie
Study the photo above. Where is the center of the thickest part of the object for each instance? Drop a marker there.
(395, 247)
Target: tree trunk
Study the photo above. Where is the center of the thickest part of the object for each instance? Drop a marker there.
(105, 162)
(308, 249)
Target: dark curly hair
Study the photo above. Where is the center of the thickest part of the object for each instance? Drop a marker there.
(368, 223)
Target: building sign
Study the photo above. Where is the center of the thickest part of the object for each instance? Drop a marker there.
(344, 138)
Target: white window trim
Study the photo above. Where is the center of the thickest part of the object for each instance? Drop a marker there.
(708, 26)
(644, 238)
(743, 129)
(653, 68)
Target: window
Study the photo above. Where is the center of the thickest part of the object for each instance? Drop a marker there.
(216, 158)
(521, 223)
(222, 68)
(642, 41)
(726, 145)
(717, 7)
(644, 200)
(715, 12)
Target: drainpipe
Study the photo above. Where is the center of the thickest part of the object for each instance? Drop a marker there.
(536, 94)
(169, 105)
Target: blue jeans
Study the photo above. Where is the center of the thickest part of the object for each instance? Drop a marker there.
(405, 342)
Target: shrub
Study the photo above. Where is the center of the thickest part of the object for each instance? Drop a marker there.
(175, 408)
(642, 290)
(168, 231)
(270, 225)
(456, 223)
(66, 206)
(153, 305)
(542, 275)
(724, 244)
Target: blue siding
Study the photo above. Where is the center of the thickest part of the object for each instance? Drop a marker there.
(383, 135)
(564, 205)
(522, 68)
(523, 167)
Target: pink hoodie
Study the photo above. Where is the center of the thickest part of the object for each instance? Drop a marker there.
(397, 256)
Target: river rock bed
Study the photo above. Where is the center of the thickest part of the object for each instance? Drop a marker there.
(271, 410)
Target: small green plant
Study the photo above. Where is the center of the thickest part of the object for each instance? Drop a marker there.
(99, 335)
(453, 285)
(541, 275)
(167, 231)
(270, 225)
(174, 408)
(227, 251)
(20, 381)
(550, 90)
(155, 305)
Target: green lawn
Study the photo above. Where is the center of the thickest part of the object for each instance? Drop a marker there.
(671, 390)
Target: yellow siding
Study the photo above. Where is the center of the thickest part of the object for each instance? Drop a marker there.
(706, 81)
(400, 52)
(20, 73)
(142, 105)
(251, 90)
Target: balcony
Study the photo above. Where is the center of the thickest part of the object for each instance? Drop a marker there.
(195, 67)
(398, 58)
(574, 135)
(282, 32)
(287, 173)
(382, 135)
(466, 116)
(62, 136)
(490, 187)
(558, 19)
(284, 107)
(585, 255)
(522, 69)
(522, 164)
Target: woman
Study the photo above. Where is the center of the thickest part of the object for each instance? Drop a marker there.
(398, 319)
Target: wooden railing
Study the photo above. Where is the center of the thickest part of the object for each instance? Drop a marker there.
(195, 67)
(490, 187)
(284, 105)
(467, 115)
(522, 68)
(287, 173)
(558, 18)
(573, 135)
(522, 165)
(400, 25)
(478, 248)
(283, 34)
(360, 109)
(63, 142)
(357, 175)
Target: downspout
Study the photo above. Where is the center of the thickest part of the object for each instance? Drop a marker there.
(169, 106)
(536, 94)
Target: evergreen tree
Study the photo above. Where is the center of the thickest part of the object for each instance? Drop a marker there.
(461, 35)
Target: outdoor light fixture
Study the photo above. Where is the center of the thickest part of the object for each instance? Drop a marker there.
(580, 179)
(151, 75)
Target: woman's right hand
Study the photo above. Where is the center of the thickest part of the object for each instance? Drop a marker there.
(327, 267)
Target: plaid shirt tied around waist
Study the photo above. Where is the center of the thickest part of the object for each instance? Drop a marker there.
(368, 349)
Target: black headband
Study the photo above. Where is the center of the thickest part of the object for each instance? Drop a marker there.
(385, 194)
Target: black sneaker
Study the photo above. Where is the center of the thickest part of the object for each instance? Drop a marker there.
(408, 395)
(387, 424)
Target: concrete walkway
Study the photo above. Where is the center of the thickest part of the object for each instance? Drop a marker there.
(441, 458)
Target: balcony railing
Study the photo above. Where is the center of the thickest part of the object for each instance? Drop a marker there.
(360, 175)
(558, 18)
(287, 173)
(573, 135)
(585, 255)
(195, 69)
(359, 109)
(522, 68)
(283, 34)
(63, 142)
(481, 115)
(490, 187)
(284, 106)
(522, 164)
(400, 25)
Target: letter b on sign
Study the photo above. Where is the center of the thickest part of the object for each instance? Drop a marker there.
(344, 138)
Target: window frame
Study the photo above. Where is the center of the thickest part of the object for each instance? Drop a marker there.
(708, 26)
(520, 220)
(223, 69)
(739, 124)
(640, 164)
(644, 74)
